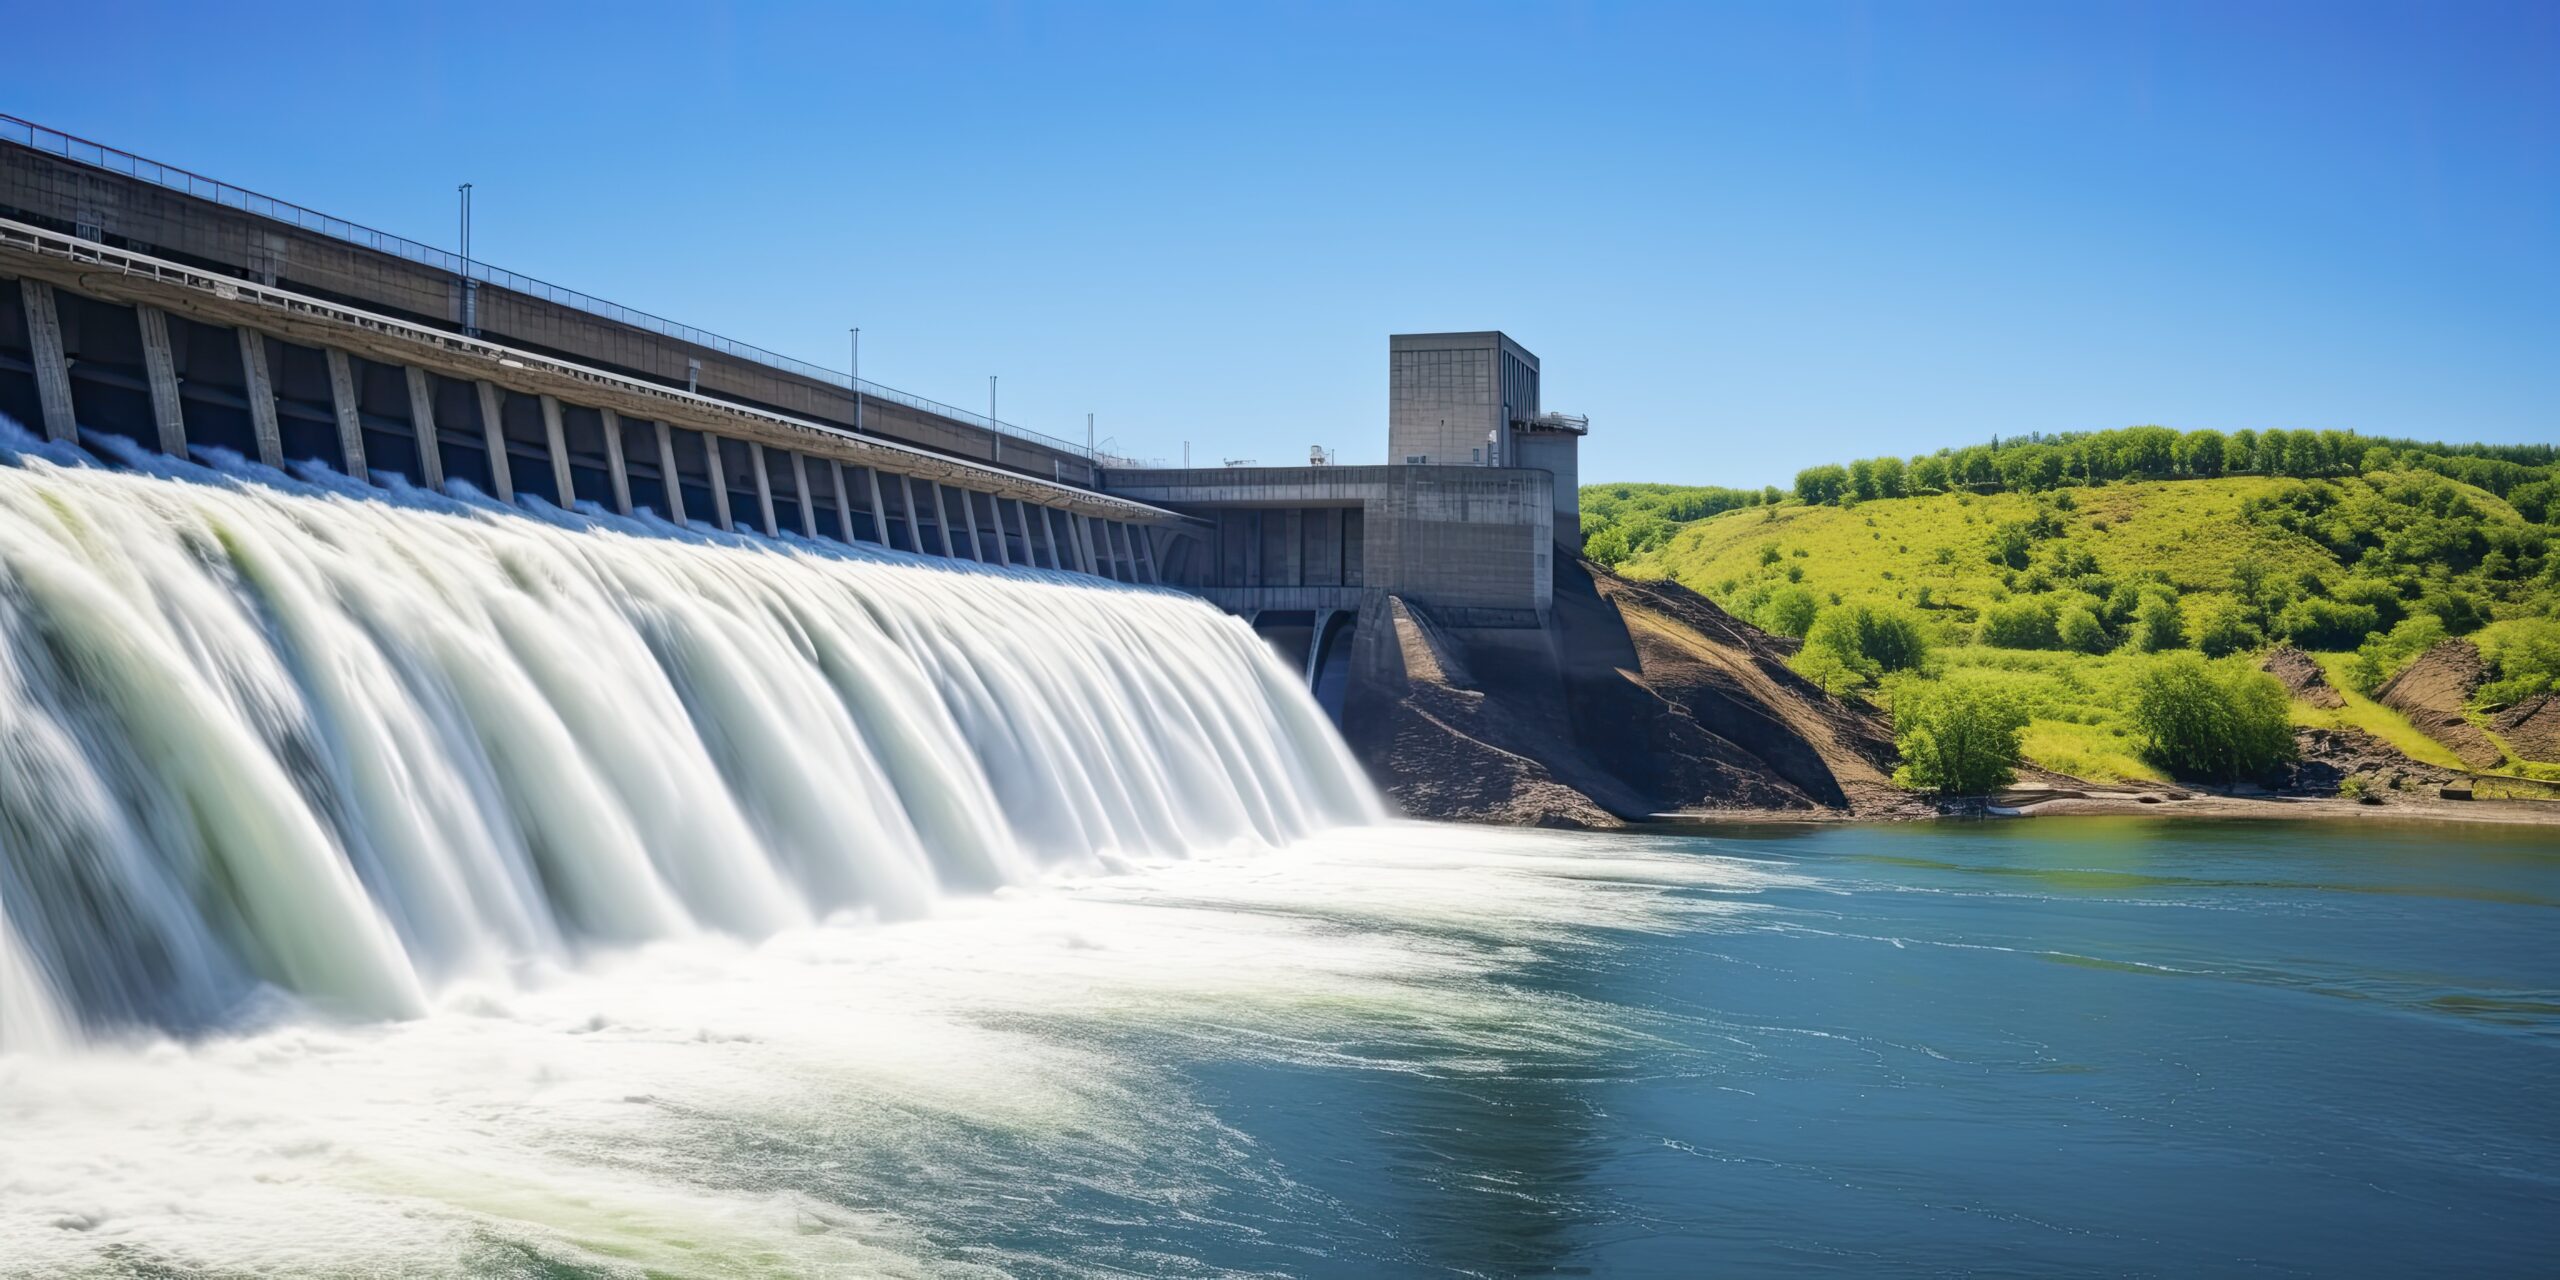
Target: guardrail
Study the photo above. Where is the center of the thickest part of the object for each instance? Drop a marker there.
(98, 155)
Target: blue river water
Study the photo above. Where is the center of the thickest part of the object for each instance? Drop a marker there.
(2084, 1046)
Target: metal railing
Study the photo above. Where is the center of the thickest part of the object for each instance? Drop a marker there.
(97, 155)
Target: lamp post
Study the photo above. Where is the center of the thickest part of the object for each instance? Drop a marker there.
(857, 379)
(470, 287)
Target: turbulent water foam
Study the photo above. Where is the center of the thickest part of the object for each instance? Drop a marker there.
(273, 745)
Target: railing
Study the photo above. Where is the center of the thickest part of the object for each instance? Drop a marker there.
(97, 155)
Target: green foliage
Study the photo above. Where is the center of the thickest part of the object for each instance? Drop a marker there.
(2524, 657)
(1817, 485)
(2079, 630)
(2026, 622)
(1789, 611)
(2380, 657)
(2224, 720)
(2324, 539)
(2157, 626)
(1871, 639)
(2314, 623)
(2223, 628)
(1957, 736)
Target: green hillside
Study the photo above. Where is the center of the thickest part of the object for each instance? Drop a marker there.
(2063, 593)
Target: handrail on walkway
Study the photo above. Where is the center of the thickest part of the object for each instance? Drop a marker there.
(98, 155)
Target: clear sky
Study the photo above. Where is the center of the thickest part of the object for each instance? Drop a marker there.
(1743, 238)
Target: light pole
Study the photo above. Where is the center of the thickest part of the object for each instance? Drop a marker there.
(995, 433)
(857, 379)
(470, 287)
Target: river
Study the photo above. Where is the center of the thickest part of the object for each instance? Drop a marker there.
(2080, 1046)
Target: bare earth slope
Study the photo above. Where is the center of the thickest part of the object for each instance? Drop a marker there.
(1644, 699)
(2431, 691)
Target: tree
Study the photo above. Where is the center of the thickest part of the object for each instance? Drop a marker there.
(1927, 475)
(2156, 624)
(2223, 627)
(1891, 480)
(2224, 720)
(2200, 452)
(1789, 611)
(2079, 630)
(1871, 636)
(1957, 736)
(1862, 480)
(2026, 622)
(1818, 485)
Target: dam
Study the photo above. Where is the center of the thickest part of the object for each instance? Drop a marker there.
(142, 301)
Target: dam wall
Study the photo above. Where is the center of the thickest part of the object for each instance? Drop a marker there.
(178, 313)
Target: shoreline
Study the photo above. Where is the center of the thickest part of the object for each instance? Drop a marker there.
(2197, 806)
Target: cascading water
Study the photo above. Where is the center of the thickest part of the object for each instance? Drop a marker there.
(268, 739)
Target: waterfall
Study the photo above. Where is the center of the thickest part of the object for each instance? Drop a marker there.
(270, 742)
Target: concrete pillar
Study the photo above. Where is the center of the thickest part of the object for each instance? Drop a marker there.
(53, 369)
(493, 436)
(1315, 644)
(808, 508)
(716, 469)
(1128, 555)
(844, 505)
(616, 467)
(764, 490)
(1022, 521)
(342, 398)
(1049, 534)
(259, 387)
(942, 520)
(422, 423)
(915, 527)
(161, 366)
(667, 472)
(995, 509)
(1084, 538)
(557, 440)
(879, 512)
(1146, 540)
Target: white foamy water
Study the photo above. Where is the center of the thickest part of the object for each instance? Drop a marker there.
(313, 749)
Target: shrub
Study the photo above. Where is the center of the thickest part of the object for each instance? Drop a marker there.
(2380, 657)
(1957, 736)
(1873, 638)
(1789, 611)
(2156, 624)
(2080, 631)
(2023, 623)
(2223, 627)
(2222, 720)
(2527, 659)
(2314, 623)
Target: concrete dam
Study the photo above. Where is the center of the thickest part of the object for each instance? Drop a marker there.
(346, 656)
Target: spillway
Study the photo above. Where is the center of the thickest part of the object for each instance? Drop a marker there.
(272, 745)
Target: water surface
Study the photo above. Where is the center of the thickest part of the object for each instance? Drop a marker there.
(2075, 1046)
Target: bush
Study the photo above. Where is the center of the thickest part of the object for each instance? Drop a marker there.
(2314, 623)
(1789, 611)
(2223, 720)
(2080, 631)
(1872, 638)
(2156, 624)
(1957, 736)
(2024, 623)
(2380, 657)
(2527, 660)
(2223, 627)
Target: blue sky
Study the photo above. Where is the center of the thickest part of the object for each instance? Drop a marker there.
(1743, 238)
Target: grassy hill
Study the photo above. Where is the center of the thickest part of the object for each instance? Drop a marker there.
(2065, 592)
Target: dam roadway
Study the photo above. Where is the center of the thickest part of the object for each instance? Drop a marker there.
(143, 301)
